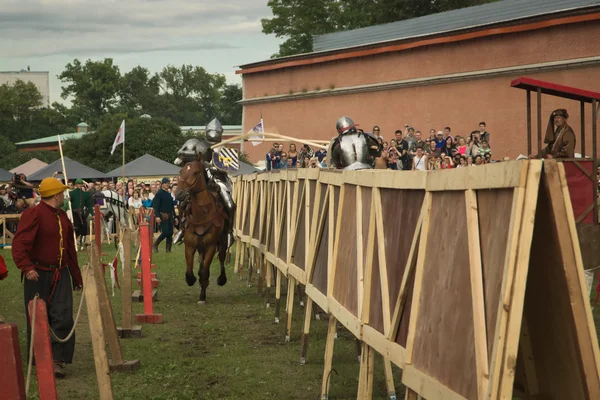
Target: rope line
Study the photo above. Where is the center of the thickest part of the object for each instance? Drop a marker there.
(30, 362)
(66, 339)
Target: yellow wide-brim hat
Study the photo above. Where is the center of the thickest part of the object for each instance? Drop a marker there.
(51, 186)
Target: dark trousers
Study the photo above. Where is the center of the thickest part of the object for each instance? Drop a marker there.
(166, 230)
(60, 310)
(80, 223)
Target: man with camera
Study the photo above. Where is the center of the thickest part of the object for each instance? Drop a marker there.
(22, 192)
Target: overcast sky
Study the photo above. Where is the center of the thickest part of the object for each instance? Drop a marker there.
(215, 34)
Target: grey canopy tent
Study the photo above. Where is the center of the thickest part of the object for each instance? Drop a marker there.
(74, 170)
(244, 169)
(5, 176)
(146, 165)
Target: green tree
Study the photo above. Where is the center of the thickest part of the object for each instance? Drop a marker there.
(22, 116)
(93, 87)
(159, 137)
(230, 111)
(299, 20)
(11, 158)
(191, 96)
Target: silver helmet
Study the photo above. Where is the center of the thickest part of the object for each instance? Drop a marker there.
(190, 151)
(345, 125)
(214, 131)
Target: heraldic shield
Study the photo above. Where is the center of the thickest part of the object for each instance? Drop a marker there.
(226, 159)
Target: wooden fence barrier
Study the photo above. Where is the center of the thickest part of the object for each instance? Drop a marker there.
(470, 280)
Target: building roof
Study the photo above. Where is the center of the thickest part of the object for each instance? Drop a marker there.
(554, 89)
(5, 176)
(468, 19)
(74, 170)
(30, 167)
(52, 139)
(146, 165)
(450, 21)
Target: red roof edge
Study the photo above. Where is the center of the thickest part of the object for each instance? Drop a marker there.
(555, 89)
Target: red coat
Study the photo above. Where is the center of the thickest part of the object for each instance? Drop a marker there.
(3, 270)
(38, 240)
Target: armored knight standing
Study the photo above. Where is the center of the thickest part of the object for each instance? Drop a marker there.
(200, 150)
(352, 149)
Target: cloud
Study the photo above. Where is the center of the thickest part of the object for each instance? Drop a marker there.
(32, 28)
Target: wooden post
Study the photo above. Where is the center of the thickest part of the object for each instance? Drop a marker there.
(528, 122)
(11, 380)
(290, 307)
(127, 330)
(331, 330)
(269, 279)
(148, 317)
(305, 330)
(539, 120)
(44, 363)
(96, 331)
(277, 295)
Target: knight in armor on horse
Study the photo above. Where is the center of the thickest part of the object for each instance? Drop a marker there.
(352, 149)
(217, 180)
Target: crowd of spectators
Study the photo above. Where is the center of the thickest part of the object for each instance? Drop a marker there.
(15, 197)
(406, 150)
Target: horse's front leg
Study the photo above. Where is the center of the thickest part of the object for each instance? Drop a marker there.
(190, 279)
(204, 272)
(222, 279)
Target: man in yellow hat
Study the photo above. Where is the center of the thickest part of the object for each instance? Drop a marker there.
(44, 250)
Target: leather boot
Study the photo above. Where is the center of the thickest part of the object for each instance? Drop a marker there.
(155, 245)
(169, 244)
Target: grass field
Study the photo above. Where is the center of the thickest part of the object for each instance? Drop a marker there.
(229, 348)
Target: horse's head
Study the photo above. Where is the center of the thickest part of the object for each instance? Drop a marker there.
(191, 179)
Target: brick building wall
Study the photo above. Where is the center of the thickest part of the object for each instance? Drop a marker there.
(566, 54)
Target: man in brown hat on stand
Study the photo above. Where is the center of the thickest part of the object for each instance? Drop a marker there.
(560, 138)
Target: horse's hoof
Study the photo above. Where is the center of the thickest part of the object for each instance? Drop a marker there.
(190, 279)
(220, 281)
(202, 302)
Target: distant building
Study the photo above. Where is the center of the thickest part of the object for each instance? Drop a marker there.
(448, 69)
(41, 79)
(50, 143)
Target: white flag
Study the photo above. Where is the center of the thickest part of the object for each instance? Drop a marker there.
(120, 137)
(259, 128)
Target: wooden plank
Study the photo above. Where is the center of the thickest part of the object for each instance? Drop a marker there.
(345, 259)
(328, 359)
(360, 268)
(493, 233)
(477, 295)
(408, 270)
(95, 322)
(369, 265)
(443, 344)
(126, 288)
(345, 317)
(426, 386)
(418, 277)
(108, 319)
(319, 298)
(383, 266)
(488, 176)
(386, 179)
(571, 340)
(514, 304)
(508, 274)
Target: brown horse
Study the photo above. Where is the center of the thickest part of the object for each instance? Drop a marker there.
(205, 231)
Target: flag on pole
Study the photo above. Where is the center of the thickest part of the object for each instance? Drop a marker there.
(120, 137)
(258, 128)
